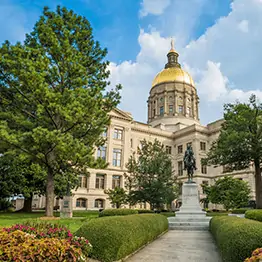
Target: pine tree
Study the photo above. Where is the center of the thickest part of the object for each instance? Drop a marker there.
(54, 101)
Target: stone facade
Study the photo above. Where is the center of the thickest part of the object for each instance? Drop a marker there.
(173, 119)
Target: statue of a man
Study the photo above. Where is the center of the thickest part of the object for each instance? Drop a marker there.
(189, 163)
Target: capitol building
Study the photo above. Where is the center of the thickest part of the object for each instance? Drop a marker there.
(173, 119)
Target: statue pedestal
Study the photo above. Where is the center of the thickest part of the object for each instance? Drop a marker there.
(67, 207)
(190, 216)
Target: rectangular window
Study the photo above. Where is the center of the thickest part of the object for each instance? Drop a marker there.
(82, 181)
(81, 202)
(170, 108)
(203, 146)
(154, 112)
(116, 181)
(161, 110)
(118, 133)
(101, 152)
(169, 149)
(180, 149)
(131, 143)
(180, 109)
(117, 156)
(100, 181)
(203, 168)
(180, 168)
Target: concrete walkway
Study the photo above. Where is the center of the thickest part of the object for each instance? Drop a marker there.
(180, 246)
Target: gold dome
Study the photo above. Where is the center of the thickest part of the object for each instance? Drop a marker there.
(173, 74)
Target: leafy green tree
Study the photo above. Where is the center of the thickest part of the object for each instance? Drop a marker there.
(229, 192)
(206, 190)
(240, 142)
(53, 99)
(20, 177)
(171, 194)
(150, 177)
(117, 196)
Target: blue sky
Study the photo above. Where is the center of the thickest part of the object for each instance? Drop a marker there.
(212, 37)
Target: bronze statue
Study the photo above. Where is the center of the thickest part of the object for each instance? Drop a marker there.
(189, 163)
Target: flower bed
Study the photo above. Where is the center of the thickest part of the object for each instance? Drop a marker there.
(256, 256)
(42, 242)
(113, 238)
(236, 237)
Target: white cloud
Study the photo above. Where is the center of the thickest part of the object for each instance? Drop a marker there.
(243, 26)
(225, 61)
(154, 7)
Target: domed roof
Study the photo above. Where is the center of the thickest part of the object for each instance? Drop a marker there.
(173, 71)
(173, 74)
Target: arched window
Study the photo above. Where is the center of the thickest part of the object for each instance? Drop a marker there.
(81, 202)
(100, 203)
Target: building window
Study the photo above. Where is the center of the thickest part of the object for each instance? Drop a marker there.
(116, 181)
(203, 168)
(180, 168)
(131, 143)
(180, 109)
(203, 146)
(169, 149)
(99, 203)
(101, 152)
(161, 99)
(180, 149)
(82, 181)
(161, 110)
(170, 108)
(118, 133)
(104, 134)
(117, 155)
(81, 202)
(100, 181)
(154, 112)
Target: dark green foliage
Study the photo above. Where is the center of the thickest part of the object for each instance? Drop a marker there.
(114, 238)
(144, 211)
(236, 237)
(5, 204)
(53, 100)
(229, 192)
(151, 178)
(240, 140)
(117, 212)
(117, 196)
(240, 210)
(254, 214)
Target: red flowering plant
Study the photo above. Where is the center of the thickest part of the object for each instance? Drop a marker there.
(46, 230)
(256, 256)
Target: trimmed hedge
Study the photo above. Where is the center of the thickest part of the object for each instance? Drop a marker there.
(236, 237)
(144, 211)
(117, 212)
(114, 238)
(240, 210)
(255, 214)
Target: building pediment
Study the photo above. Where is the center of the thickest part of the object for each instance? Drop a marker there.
(117, 113)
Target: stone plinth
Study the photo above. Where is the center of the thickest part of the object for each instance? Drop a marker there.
(67, 207)
(190, 216)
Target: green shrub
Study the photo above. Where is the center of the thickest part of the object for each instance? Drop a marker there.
(240, 210)
(117, 212)
(114, 238)
(255, 214)
(215, 214)
(236, 237)
(144, 211)
(168, 214)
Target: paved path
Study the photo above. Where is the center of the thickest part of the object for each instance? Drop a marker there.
(180, 246)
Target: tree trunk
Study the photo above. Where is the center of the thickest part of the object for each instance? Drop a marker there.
(50, 186)
(258, 185)
(27, 204)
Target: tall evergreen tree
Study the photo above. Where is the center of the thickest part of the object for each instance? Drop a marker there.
(240, 141)
(151, 178)
(53, 99)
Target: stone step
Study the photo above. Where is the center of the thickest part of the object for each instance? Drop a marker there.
(189, 219)
(189, 228)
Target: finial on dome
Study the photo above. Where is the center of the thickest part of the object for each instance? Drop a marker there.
(172, 44)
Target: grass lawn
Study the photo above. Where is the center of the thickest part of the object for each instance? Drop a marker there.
(79, 217)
